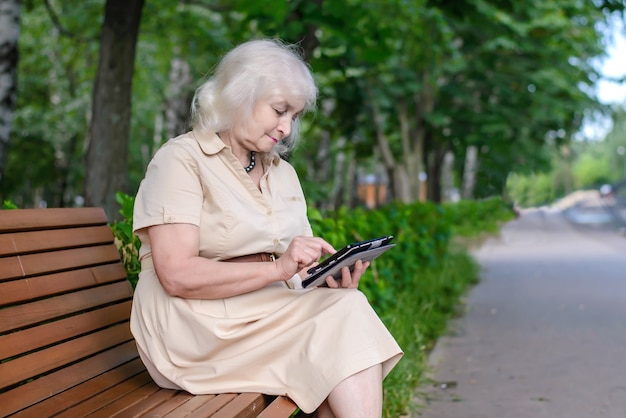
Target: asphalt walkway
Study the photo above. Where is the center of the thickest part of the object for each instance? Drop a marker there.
(544, 335)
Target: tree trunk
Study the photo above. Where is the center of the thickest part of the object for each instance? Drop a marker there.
(9, 35)
(106, 167)
(339, 180)
(398, 176)
(412, 152)
(447, 177)
(469, 172)
(435, 167)
(179, 98)
(424, 104)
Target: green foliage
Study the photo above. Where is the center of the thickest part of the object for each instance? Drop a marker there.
(55, 81)
(421, 233)
(583, 165)
(416, 287)
(419, 316)
(126, 241)
(531, 190)
(498, 75)
(589, 170)
(473, 217)
(7, 204)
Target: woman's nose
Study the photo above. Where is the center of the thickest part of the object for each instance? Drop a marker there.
(285, 127)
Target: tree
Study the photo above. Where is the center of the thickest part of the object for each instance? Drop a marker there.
(9, 34)
(106, 166)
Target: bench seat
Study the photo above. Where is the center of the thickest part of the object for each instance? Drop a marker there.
(65, 345)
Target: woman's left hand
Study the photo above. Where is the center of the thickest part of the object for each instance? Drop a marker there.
(349, 279)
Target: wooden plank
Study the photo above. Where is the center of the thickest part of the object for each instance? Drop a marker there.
(194, 403)
(100, 403)
(50, 385)
(42, 361)
(141, 408)
(71, 397)
(179, 398)
(41, 263)
(21, 342)
(55, 239)
(281, 407)
(121, 404)
(245, 405)
(28, 314)
(16, 291)
(11, 268)
(49, 218)
(210, 408)
(56, 261)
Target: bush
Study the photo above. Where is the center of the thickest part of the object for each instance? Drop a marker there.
(126, 241)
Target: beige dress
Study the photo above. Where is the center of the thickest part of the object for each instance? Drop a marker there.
(279, 341)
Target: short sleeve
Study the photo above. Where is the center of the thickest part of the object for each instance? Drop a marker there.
(171, 191)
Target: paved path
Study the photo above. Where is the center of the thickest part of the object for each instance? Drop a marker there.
(544, 335)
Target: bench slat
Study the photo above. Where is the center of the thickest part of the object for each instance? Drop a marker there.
(60, 355)
(10, 268)
(41, 263)
(15, 267)
(202, 405)
(21, 342)
(280, 407)
(56, 239)
(245, 405)
(28, 314)
(149, 404)
(121, 406)
(53, 384)
(17, 291)
(33, 219)
(191, 405)
(95, 404)
(178, 399)
(86, 390)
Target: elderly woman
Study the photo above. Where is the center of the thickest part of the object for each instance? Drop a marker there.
(224, 232)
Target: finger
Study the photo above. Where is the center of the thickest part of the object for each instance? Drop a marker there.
(332, 283)
(346, 277)
(357, 272)
(359, 268)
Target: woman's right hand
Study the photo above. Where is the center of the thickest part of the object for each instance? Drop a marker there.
(302, 252)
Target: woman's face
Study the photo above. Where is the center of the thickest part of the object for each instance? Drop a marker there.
(270, 122)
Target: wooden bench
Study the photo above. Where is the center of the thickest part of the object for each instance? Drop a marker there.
(65, 345)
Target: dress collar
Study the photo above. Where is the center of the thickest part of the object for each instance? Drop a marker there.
(211, 144)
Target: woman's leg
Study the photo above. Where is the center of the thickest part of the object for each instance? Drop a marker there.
(324, 411)
(360, 395)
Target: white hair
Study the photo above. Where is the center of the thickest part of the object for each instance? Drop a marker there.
(250, 72)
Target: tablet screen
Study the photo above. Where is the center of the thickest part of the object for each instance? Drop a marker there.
(347, 256)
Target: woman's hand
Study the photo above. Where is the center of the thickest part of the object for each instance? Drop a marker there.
(302, 253)
(349, 279)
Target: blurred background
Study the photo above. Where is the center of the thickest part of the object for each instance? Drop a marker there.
(420, 100)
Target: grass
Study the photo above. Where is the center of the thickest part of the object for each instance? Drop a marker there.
(419, 318)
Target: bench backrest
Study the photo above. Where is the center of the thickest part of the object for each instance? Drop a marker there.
(64, 303)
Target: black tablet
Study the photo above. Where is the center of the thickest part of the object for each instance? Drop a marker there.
(347, 256)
